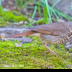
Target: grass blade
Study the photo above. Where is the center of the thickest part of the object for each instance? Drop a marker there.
(38, 7)
(45, 14)
(50, 21)
(33, 15)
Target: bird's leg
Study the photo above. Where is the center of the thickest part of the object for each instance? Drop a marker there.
(48, 49)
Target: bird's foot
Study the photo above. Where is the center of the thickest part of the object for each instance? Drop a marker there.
(49, 50)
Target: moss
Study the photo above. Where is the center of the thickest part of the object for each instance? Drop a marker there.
(70, 50)
(10, 16)
(4, 23)
(30, 56)
(29, 14)
(62, 46)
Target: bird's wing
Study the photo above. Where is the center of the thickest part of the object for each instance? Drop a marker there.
(55, 29)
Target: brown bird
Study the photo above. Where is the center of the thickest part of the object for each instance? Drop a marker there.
(54, 33)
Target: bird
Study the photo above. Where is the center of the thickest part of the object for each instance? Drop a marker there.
(52, 33)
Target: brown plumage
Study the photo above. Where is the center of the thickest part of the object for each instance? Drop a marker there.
(54, 33)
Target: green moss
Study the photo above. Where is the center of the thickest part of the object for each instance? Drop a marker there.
(13, 16)
(30, 56)
(62, 46)
(70, 50)
(9, 16)
(29, 14)
(4, 23)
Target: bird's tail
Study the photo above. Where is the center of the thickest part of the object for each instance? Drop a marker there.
(22, 34)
